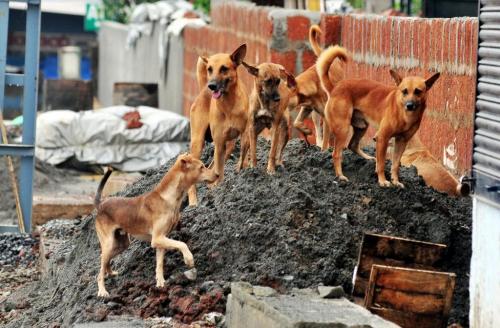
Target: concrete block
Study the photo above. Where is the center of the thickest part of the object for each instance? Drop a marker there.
(331, 291)
(246, 309)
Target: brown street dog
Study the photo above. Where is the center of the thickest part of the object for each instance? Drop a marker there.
(432, 171)
(311, 98)
(268, 103)
(222, 106)
(149, 217)
(397, 110)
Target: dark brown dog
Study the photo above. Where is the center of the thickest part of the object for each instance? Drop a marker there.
(221, 105)
(311, 98)
(149, 217)
(268, 103)
(397, 110)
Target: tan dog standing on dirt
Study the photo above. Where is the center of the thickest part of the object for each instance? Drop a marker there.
(222, 106)
(311, 98)
(149, 217)
(397, 110)
(268, 109)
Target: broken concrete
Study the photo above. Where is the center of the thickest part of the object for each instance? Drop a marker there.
(245, 308)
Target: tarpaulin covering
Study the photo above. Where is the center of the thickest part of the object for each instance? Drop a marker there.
(101, 137)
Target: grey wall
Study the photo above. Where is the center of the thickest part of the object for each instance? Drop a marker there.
(140, 64)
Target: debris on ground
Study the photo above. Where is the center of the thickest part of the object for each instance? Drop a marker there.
(18, 266)
(298, 228)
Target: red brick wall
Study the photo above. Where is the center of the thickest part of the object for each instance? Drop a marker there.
(270, 35)
(422, 47)
(409, 45)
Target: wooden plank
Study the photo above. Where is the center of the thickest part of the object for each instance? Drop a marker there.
(403, 249)
(394, 251)
(410, 297)
(409, 320)
(409, 302)
(367, 261)
(413, 280)
(46, 208)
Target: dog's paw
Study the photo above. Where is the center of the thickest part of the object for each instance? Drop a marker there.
(160, 283)
(191, 274)
(384, 183)
(398, 184)
(189, 261)
(103, 293)
(343, 178)
(271, 170)
(111, 273)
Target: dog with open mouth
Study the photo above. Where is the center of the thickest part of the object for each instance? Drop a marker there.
(221, 106)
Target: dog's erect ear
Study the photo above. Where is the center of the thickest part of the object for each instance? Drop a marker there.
(185, 163)
(204, 58)
(290, 80)
(396, 77)
(239, 54)
(430, 81)
(251, 69)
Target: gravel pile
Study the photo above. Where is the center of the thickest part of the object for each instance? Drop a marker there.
(298, 228)
(18, 250)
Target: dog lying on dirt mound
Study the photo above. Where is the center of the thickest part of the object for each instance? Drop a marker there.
(149, 217)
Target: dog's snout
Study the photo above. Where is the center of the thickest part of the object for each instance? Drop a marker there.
(411, 105)
(217, 175)
(276, 97)
(212, 85)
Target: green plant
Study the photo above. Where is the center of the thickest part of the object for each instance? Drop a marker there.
(357, 3)
(203, 5)
(119, 10)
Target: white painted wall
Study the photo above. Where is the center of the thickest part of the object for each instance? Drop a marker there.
(485, 265)
(140, 64)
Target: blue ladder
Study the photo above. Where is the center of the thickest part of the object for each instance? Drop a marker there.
(29, 81)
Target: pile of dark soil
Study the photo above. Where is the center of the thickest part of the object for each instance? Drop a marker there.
(298, 228)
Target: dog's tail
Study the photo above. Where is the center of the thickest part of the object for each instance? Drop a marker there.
(314, 34)
(97, 199)
(324, 62)
(201, 73)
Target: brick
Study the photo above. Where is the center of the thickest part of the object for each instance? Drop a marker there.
(298, 28)
(287, 59)
(308, 59)
(331, 25)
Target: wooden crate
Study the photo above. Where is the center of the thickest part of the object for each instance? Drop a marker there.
(411, 298)
(393, 251)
